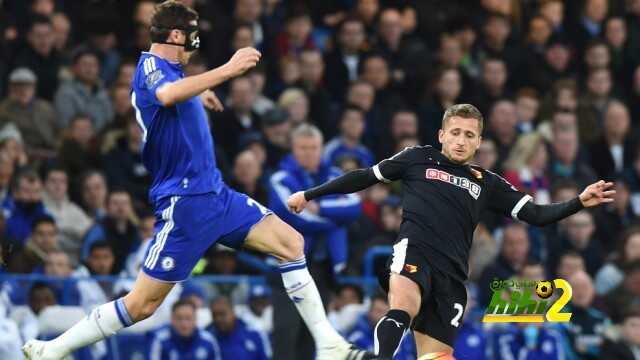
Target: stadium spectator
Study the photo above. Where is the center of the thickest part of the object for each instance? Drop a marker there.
(42, 242)
(34, 117)
(403, 125)
(625, 294)
(492, 86)
(587, 327)
(591, 22)
(276, 128)
(472, 341)
(262, 103)
(296, 34)
(514, 254)
(23, 207)
(555, 64)
(312, 73)
(569, 263)
(10, 342)
(246, 175)
(526, 166)
(117, 228)
(40, 56)
(122, 109)
(502, 128)
(593, 104)
(236, 339)
(612, 152)
(344, 61)
(526, 341)
(487, 155)
(258, 312)
(124, 167)
(349, 141)
(578, 234)
(616, 217)
(84, 93)
(346, 307)
(296, 104)
(484, 251)
(77, 153)
(40, 297)
(447, 90)
(101, 38)
(527, 108)
(61, 31)
(135, 259)
(564, 160)
(626, 347)
(93, 188)
(610, 275)
(361, 334)
(300, 170)
(239, 117)
(182, 339)
(71, 220)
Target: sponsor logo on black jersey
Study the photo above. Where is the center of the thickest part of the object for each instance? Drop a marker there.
(473, 188)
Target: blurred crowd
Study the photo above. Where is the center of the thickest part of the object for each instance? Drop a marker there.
(558, 83)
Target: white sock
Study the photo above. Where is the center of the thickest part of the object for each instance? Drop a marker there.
(303, 292)
(102, 322)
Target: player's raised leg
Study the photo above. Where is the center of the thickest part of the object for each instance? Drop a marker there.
(404, 304)
(104, 321)
(274, 236)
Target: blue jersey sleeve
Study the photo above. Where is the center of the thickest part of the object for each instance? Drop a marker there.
(153, 74)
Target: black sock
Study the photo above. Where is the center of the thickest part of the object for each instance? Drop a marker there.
(389, 332)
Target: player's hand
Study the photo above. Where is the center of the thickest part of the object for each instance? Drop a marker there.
(297, 202)
(243, 60)
(211, 101)
(597, 193)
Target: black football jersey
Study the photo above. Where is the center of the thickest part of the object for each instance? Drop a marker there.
(445, 201)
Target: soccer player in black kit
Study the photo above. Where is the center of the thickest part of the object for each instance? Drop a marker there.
(443, 198)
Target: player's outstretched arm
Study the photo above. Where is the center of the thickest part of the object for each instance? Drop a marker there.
(595, 194)
(350, 182)
(183, 89)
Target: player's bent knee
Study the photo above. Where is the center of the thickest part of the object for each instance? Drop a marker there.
(293, 248)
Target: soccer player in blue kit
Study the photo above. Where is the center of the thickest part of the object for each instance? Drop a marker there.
(193, 207)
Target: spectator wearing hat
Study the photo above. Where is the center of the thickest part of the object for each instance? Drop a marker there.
(34, 117)
(84, 93)
(257, 313)
(40, 56)
(349, 141)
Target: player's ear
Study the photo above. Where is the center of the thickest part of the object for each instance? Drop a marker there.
(441, 136)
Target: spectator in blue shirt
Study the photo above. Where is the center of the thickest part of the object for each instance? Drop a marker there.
(361, 335)
(182, 339)
(471, 343)
(117, 228)
(236, 339)
(348, 142)
(23, 207)
(324, 218)
(527, 341)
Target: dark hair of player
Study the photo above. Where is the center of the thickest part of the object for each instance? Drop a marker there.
(466, 111)
(170, 15)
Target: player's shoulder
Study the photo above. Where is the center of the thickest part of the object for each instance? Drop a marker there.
(417, 151)
(150, 70)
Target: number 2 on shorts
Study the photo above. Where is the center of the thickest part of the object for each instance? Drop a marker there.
(456, 319)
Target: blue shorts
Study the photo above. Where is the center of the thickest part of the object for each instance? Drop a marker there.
(186, 226)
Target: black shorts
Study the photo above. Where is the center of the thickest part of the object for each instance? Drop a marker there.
(444, 298)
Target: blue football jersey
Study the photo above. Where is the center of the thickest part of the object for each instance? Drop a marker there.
(177, 147)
